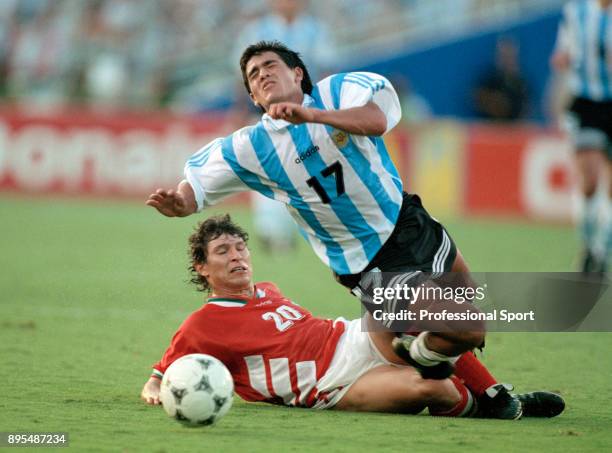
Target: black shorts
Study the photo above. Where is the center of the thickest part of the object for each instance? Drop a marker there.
(591, 122)
(418, 243)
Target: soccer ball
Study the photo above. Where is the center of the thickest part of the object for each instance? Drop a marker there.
(197, 389)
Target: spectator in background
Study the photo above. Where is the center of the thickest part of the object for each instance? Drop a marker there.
(103, 62)
(40, 57)
(118, 62)
(448, 14)
(584, 51)
(177, 40)
(7, 30)
(289, 23)
(502, 94)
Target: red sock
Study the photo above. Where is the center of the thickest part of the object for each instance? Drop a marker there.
(463, 408)
(473, 373)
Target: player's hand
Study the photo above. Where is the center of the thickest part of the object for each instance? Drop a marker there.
(168, 202)
(150, 391)
(294, 113)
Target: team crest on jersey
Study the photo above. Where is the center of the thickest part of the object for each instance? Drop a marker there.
(340, 138)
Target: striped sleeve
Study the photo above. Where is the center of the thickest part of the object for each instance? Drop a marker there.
(359, 88)
(210, 176)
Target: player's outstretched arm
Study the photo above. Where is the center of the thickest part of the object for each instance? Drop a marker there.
(174, 203)
(365, 120)
(150, 391)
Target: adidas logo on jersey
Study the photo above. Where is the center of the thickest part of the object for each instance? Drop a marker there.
(306, 154)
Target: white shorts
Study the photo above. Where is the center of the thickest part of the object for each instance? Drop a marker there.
(355, 354)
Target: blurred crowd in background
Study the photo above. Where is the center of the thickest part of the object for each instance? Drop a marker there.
(183, 53)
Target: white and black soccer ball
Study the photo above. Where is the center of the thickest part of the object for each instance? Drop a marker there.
(197, 389)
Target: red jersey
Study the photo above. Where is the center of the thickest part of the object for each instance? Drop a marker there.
(275, 350)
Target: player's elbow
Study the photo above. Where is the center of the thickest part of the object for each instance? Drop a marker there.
(377, 121)
(379, 127)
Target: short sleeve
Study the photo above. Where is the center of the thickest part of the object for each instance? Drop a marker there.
(179, 347)
(210, 176)
(196, 335)
(358, 88)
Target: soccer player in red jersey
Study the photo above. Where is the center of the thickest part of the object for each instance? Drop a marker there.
(278, 352)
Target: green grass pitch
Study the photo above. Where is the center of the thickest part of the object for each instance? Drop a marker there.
(91, 291)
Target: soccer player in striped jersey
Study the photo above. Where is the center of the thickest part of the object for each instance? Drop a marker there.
(319, 149)
(279, 353)
(584, 50)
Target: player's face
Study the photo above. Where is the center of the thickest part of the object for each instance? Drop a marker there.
(272, 81)
(228, 265)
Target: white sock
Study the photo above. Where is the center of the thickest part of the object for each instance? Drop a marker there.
(589, 220)
(425, 356)
(603, 231)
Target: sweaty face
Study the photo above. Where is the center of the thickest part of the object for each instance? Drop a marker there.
(228, 265)
(272, 81)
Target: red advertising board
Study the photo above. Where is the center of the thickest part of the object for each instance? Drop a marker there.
(491, 170)
(97, 153)
(519, 171)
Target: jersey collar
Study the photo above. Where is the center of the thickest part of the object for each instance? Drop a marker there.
(236, 302)
(281, 124)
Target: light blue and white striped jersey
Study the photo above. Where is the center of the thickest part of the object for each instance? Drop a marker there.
(585, 33)
(343, 190)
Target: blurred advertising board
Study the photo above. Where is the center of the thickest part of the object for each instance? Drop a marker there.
(459, 169)
(491, 170)
(519, 171)
(97, 153)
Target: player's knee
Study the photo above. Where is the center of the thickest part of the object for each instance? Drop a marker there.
(430, 391)
(411, 393)
(590, 173)
(427, 392)
(474, 339)
(589, 187)
(469, 340)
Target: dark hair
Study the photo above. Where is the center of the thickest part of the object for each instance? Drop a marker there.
(207, 231)
(291, 59)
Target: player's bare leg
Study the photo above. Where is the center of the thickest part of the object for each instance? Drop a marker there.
(389, 388)
(591, 165)
(494, 399)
